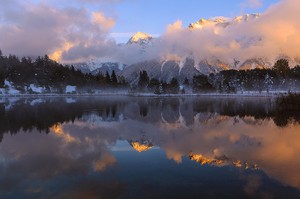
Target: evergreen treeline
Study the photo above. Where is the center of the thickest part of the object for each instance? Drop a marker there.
(54, 77)
(279, 78)
(47, 73)
(145, 84)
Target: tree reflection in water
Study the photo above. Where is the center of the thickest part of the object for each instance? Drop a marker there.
(82, 145)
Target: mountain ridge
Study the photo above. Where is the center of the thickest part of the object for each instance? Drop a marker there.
(186, 67)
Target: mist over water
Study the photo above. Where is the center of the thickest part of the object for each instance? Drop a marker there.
(126, 147)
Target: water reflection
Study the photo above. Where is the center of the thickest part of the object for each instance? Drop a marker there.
(84, 148)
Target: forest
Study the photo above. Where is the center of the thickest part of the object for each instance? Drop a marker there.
(54, 77)
(280, 78)
(47, 73)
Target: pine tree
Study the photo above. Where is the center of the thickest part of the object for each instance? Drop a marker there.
(122, 81)
(186, 82)
(107, 78)
(143, 80)
(100, 78)
(1, 81)
(153, 85)
(114, 79)
(201, 84)
(281, 67)
(174, 86)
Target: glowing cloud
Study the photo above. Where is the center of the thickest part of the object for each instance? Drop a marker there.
(177, 26)
(140, 147)
(105, 161)
(74, 34)
(105, 23)
(57, 55)
(59, 132)
(33, 29)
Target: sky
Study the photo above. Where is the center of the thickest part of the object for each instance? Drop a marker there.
(152, 16)
(80, 30)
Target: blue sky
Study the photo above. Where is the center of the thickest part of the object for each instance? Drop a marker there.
(152, 16)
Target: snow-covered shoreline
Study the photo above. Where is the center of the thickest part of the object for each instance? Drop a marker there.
(73, 91)
(129, 94)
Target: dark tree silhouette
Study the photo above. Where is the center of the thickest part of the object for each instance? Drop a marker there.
(186, 82)
(107, 78)
(281, 67)
(174, 86)
(154, 85)
(114, 79)
(143, 80)
(201, 84)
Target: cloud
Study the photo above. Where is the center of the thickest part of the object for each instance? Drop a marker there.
(207, 133)
(40, 28)
(105, 23)
(106, 160)
(273, 33)
(75, 33)
(177, 26)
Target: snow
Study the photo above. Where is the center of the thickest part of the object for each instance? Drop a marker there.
(140, 38)
(181, 65)
(121, 117)
(36, 89)
(70, 89)
(216, 21)
(7, 84)
(36, 101)
(70, 100)
(121, 66)
(162, 65)
(11, 90)
(200, 24)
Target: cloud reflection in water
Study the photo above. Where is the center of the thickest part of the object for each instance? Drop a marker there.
(82, 150)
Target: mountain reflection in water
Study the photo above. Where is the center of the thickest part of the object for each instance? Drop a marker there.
(122, 147)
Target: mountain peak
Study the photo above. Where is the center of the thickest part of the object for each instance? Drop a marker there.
(200, 24)
(140, 38)
(246, 17)
(223, 21)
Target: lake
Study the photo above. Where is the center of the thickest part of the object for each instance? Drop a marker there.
(137, 147)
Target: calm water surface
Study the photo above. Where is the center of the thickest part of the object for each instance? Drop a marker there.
(122, 147)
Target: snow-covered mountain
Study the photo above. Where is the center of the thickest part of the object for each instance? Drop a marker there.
(255, 63)
(109, 67)
(96, 66)
(140, 38)
(162, 70)
(222, 21)
(186, 67)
